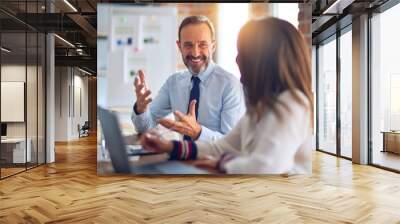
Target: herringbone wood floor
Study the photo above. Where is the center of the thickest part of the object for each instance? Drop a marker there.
(70, 191)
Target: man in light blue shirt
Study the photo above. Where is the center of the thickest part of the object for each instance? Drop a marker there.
(211, 97)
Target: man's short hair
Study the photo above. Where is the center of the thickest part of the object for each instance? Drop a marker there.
(196, 20)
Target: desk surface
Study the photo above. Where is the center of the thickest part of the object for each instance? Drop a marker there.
(104, 165)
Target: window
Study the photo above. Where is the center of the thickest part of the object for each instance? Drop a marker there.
(346, 94)
(385, 88)
(287, 11)
(327, 96)
(231, 18)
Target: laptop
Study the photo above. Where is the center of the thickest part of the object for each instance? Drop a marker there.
(119, 154)
(137, 150)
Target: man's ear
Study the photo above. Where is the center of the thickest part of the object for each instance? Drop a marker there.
(178, 44)
(213, 46)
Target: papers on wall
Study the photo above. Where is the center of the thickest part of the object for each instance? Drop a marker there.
(126, 32)
(134, 38)
(102, 57)
(133, 62)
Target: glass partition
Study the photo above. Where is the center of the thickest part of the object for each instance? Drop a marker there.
(13, 105)
(22, 77)
(31, 100)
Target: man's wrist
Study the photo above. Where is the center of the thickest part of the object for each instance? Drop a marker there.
(135, 109)
(198, 135)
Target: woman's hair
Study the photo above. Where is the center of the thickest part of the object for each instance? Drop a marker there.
(273, 57)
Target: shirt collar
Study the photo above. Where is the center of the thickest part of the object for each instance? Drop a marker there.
(206, 73)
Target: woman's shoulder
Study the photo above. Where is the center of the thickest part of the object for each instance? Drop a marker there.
(293, 106)
(294, 98)
(293, 95)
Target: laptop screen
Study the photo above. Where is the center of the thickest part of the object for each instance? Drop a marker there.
(114, 140)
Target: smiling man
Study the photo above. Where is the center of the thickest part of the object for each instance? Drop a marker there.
(206, 100)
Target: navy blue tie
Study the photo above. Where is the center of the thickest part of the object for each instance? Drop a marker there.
(194, 95)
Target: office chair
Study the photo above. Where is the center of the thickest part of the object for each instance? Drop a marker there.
(84, 130)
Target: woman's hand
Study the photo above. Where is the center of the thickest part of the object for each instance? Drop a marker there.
(206, 163)
(215, 164)
(154, 142)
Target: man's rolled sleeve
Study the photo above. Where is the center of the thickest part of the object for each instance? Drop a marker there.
(142, 121)
(159, 108)
(209, 135)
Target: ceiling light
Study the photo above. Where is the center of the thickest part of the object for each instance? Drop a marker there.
(65, 41)
(70, 5)
(5, 50)
(86, 72)
(337, 7)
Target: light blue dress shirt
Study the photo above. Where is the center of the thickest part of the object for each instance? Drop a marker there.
(221, 102)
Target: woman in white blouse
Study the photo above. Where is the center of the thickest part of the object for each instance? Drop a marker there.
(274, 136)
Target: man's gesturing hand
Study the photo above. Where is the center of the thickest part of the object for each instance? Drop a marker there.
(142, 93)
(186, 124)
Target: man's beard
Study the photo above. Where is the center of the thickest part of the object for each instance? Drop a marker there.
(190, 63)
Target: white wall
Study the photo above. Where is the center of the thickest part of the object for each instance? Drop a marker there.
(71, 94)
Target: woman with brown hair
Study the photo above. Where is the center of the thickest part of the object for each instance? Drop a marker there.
(274, 136)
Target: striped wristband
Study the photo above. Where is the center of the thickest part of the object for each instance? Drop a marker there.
(183, 150)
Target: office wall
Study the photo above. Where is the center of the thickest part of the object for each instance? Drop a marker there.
(61, 103)
(71, 102)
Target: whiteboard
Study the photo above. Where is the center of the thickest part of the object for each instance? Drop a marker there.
(12, 101)
(126, 49)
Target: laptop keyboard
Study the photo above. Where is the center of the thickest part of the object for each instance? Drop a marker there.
(133, 149)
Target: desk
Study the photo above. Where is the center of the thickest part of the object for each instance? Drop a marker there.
(146, 165)
(391, 141)
(15, 148)
(159, 162)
